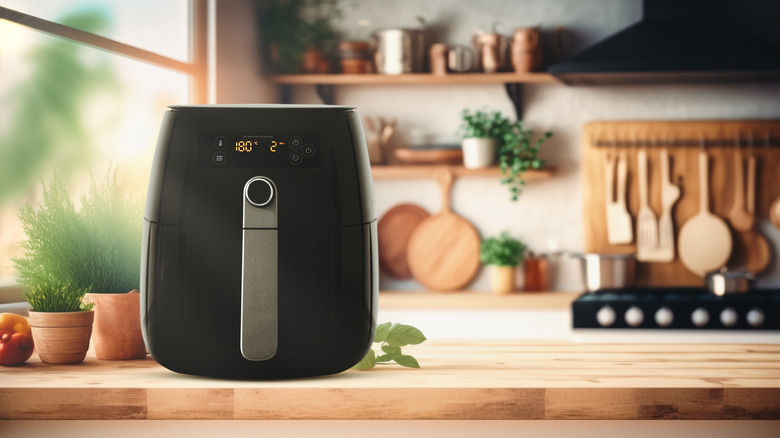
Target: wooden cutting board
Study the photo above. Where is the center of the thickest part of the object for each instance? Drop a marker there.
(443, 252)
(393, 233)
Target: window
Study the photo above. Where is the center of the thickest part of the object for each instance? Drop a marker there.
(83, 86)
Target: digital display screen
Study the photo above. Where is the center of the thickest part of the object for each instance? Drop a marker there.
(259, 149)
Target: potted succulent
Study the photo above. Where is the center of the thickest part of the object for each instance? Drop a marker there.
(96, 251)
(503, 253)
(480, 131)
(519, 151)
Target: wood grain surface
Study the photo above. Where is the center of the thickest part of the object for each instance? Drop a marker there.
(619, 137)
(393, 232)
(443, 251)
(458, 380)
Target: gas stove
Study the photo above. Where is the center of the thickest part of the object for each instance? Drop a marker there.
(677, 308)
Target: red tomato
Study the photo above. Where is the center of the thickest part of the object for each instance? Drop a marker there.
(15, 348)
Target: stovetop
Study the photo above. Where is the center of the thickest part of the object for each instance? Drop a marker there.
(677, 308)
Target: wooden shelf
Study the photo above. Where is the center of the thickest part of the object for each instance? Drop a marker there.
(429, 171)
(415, 79)
(469, 300)
(484, 380)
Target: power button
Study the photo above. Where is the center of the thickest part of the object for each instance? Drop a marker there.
(259, 192)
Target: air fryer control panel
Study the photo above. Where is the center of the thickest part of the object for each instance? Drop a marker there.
(293, 150)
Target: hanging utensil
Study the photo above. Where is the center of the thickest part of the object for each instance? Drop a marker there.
(705, 240)
(751, 249)
(618, 218)
(738, 216)
(670, 194)
(647, 224)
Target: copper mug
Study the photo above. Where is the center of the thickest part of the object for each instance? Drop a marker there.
(526, 52)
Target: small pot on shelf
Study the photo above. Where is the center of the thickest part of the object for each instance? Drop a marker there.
(478, 152)
(503, 279)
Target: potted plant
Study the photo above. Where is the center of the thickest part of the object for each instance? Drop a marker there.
(61, 323)
(95, 250)
(503, 253)
(519, 151)
(480, 131)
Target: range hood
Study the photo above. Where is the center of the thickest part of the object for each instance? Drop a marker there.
(676, 41)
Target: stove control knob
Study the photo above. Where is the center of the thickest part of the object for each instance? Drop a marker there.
(755, 317)
(664, 317)
(634, 316)
(605, 316)
(700, 317)
(728, 317)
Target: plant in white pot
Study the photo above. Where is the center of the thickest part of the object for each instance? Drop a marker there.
(96, 249)
(503, 253)
(480, 131)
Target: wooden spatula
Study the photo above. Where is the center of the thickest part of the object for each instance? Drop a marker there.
(670, 193)
(646, 222)
(705, 240)
(619, 230)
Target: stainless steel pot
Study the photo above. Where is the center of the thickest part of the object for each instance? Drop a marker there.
(607, 271)
(398, 51)
(725, 282)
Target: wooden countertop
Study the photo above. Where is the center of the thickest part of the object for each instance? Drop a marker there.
(458, 380)
(471, 300)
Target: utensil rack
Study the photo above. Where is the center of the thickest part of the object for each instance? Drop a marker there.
(683, 140)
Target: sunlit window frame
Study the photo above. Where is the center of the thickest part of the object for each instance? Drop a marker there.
(196, 68)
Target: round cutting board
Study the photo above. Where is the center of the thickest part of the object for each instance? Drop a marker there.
(443, 252)
(393, 233)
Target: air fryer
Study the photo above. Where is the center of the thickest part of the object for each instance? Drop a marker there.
(259, 252)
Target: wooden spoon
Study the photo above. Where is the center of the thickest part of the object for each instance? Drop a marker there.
(705, 240)
(751, 249)
(739, 217)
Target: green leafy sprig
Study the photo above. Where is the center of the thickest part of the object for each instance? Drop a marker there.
(518, 152)
(503, 250)
(391, 338)
(482, 124)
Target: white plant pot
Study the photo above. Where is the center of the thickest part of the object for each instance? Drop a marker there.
(478, 152)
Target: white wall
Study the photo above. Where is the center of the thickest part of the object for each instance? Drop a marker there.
(548, 211)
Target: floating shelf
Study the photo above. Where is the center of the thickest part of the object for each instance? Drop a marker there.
(429, 171)
(415, 79)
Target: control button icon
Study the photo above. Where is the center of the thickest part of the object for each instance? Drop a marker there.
(296, 158)
(220, 142)
(219, 158)
(308, 149)
(295, 142)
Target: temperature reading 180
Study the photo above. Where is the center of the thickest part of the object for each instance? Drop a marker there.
(245, 146)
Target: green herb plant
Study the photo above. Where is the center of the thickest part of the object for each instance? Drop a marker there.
(70, 251)
(518, 152)
(502, 250)
(56, 297)
(482, 124)
(391, 338)
(288, 28)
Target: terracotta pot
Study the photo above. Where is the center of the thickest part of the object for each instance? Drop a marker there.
(61, 337)
(117, 325)
(503, 279)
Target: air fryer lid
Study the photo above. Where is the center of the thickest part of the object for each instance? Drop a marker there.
(315, 155)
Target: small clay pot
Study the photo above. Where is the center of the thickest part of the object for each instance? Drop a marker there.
(503, 279)
(61, 337)
(117, 329)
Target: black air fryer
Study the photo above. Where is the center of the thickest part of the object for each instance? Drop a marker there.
(259, 257)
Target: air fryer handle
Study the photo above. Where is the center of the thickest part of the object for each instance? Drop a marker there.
(259, 285)
(259, 270)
